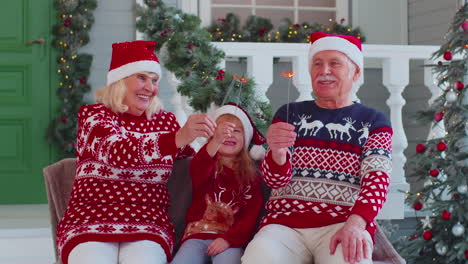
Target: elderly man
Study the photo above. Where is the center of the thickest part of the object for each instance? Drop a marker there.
(328, 167)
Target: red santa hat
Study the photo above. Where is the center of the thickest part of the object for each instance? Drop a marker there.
(347, 44)
(251, 133)
(131, 57)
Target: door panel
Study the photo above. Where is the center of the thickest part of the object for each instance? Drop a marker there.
(25, 100)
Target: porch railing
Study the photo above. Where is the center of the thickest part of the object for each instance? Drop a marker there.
(394, 61)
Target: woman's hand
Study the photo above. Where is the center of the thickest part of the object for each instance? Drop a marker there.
(197, 125)
(218, 245)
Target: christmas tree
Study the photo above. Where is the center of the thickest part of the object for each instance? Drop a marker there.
(442, 161)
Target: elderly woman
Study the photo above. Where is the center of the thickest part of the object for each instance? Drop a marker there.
(126, 145)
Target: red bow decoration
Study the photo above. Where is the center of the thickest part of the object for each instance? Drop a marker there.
(220, 75)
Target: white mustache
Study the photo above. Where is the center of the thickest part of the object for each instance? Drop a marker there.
(326, 78)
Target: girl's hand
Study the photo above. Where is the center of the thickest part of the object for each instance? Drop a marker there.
(197, 125)
(223, 131)
(218, 245)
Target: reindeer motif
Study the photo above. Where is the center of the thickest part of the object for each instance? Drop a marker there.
(333, 128)
(167, 159)
(218, 216)
(365, 131)
(315, 125)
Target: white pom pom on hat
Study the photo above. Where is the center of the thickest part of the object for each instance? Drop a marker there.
(251, 133)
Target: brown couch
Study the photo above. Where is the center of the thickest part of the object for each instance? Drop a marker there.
(59, 181)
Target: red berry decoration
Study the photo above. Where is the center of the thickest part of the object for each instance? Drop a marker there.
(464, 25)
(446, 215)
(440, 63)
(466, 253)
(427, 234)
(190, 47)
(459, 85)
(447, 55)
(434, 172)
(420, 148)
(438, 116)
(418, 206)
(441, 146)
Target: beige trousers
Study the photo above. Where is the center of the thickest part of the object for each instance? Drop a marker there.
(278, 244)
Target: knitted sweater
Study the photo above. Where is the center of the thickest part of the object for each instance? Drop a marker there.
(340, 165)
(220, 208)
(120, 193)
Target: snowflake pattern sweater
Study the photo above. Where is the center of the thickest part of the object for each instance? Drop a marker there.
(340, 165)
(220, 208)
(120, 192)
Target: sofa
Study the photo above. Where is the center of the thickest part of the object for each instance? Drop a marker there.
(59, 179)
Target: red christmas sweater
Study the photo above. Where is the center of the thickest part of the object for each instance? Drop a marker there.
(220, 208)
(120, 193)
(340, 165)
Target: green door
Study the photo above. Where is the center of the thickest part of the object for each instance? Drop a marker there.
(25, 99)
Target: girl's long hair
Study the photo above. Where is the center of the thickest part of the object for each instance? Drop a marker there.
(244, 167)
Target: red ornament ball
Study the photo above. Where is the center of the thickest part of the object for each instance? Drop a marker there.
(446, 215)
(434, 172)
(427, 234)
(464, 25)
(441, 146)
(440, 63)
(420, 148)
(438, 116)
(459, 85)
(466, 253)
(447, 55)
(418, 206)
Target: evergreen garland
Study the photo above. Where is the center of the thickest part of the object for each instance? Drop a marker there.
(189, 54)
(259, 29)
(74, 20)
(442, 162)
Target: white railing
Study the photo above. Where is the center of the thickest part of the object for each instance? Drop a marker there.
(394, 60)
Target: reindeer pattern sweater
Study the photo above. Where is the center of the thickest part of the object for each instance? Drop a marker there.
(220, 208)
(340, 165)
(120, 192)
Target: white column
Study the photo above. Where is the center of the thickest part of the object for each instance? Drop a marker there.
(139, 35)
(301, 78)
(177, 100)
(188, 6)
(396, 78)
(430, 81)
(260, 67)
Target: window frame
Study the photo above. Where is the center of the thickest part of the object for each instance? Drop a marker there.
(204, 9)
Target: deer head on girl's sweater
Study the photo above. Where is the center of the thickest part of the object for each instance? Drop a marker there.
(219, 216)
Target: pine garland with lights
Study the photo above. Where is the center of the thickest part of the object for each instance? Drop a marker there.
(442, 161)
(185, 49)
(71, 32)
(258, 29)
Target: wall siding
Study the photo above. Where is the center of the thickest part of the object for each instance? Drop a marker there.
(429, 20)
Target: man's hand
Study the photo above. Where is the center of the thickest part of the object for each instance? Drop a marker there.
(352, 239)
(279, 137)
(197, 125)
(218, 245)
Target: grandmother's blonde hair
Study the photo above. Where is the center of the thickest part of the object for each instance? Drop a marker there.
(113, 96)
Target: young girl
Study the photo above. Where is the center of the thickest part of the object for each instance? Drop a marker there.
(227, 195)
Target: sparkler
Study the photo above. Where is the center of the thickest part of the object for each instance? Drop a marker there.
(288, 75)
